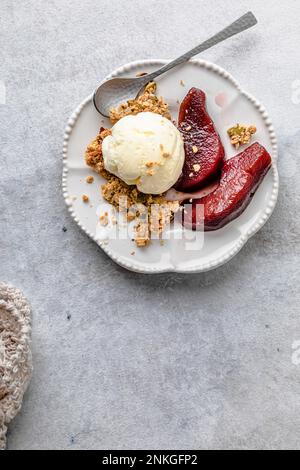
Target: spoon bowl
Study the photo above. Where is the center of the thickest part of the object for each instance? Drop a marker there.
(117, 90)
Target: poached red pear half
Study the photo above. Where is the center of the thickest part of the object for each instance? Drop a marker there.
(204, 151)
(241, 175)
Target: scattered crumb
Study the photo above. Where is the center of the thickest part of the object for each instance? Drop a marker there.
(74, 198)
(182, 83)
(104, 219)
(64, 229)
(166, 155)
(89, 179)
(132, 253)
(142, 234)
(131, 215)
(240, 134)
(151, 164)
(85, 198)
(195, 148)
(69, 316)
(177, 101)
(196, 167)
(150, 172)
(91, 205)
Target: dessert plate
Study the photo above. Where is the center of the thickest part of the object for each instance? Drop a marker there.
(227, 104)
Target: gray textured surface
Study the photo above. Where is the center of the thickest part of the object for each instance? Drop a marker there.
(125, 360)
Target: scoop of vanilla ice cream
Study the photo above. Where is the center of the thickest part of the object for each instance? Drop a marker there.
(145, 150)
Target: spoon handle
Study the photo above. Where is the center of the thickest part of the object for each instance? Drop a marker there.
(244, 22)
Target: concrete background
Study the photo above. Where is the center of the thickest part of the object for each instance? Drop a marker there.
(125, 360)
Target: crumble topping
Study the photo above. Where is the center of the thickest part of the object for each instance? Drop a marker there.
(147, 101)
(129, 199)
(240, 134)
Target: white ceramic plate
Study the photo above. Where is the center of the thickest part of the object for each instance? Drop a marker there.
(213, 248)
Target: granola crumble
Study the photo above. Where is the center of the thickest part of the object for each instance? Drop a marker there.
(240, 134)
(104, 219)
(142, 235)
(118, 193)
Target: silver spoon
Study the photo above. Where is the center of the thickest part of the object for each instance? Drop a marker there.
(118, 90)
